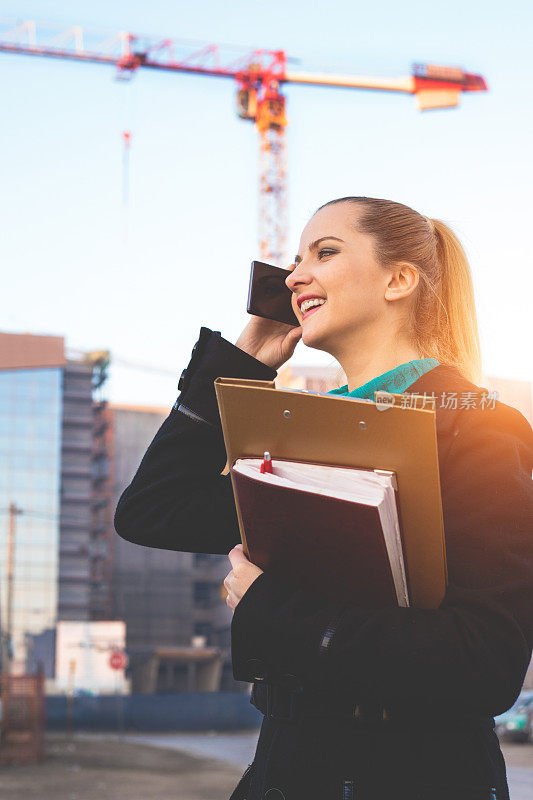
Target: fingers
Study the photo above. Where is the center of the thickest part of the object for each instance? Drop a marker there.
(236, 556)
(231, 598)
(293, 337)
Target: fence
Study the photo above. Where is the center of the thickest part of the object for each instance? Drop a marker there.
(186, 711)
(22, 718)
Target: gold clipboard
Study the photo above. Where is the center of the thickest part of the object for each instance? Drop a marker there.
(256, 416)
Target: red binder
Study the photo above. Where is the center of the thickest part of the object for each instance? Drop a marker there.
(324, 544)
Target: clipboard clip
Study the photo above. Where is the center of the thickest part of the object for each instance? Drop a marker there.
(266, 464)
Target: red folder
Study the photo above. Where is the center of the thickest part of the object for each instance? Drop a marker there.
(323, 544)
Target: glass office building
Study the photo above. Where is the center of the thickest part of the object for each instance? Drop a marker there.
(54, 503)
(30, 469)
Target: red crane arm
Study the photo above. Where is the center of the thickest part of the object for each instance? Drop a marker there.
(129, 52)
(260, 75)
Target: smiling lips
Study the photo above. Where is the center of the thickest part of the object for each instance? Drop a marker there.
(314, 308)
(311, 304)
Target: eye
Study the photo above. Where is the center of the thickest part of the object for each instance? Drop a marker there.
(325, 250)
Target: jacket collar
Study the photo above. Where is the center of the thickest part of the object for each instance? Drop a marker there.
(442, 381)
(444, 377)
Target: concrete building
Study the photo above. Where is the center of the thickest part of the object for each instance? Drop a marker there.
(53, 469)
(177, 625)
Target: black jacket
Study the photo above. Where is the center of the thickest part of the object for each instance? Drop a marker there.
(472, 652)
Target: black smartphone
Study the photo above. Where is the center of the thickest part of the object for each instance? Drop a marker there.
(268, 295)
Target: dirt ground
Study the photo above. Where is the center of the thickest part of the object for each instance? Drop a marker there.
(110, 768)
(107, 767)
(517, 755)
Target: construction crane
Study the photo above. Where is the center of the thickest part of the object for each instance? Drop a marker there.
(259, 74)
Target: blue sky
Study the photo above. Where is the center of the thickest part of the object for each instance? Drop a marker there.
(192, 213)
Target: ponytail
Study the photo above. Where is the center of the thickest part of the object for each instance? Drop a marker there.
(455, 336)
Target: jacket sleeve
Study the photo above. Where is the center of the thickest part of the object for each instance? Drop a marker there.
(475, 648)
(178, 499)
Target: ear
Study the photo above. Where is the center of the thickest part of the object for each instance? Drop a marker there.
(403, 280)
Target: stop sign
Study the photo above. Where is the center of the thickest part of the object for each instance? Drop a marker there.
(118, 660)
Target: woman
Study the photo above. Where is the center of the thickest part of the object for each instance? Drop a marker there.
(364, 704)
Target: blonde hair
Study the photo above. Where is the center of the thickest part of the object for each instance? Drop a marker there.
(443, 321)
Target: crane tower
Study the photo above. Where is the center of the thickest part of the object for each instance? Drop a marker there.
(259, 75)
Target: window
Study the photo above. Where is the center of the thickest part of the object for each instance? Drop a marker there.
(202, 594)
(203, 629)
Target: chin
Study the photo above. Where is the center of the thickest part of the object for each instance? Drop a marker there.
(314, 339)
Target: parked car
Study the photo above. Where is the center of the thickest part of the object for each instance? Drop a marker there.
(516, 724)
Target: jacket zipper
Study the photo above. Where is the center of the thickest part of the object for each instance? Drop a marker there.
(347, 790)
(329, 631)
(193, 415)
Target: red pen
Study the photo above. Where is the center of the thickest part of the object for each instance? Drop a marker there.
(266, 465)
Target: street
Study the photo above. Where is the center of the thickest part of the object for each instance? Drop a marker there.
(238, 749)
(180, 766)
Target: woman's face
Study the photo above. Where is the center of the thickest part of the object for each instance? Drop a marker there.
(342, 270)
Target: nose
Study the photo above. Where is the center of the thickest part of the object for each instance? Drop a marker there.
(297, 276)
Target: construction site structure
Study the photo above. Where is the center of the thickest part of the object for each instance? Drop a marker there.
(259, 75)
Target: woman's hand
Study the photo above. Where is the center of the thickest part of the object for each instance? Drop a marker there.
(241, 577)
(271, 342)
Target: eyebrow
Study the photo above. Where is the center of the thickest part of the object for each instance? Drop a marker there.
(314, 245)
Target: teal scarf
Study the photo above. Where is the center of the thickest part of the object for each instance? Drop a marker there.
(396, 380)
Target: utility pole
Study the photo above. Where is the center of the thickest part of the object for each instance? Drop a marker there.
(7, 652)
